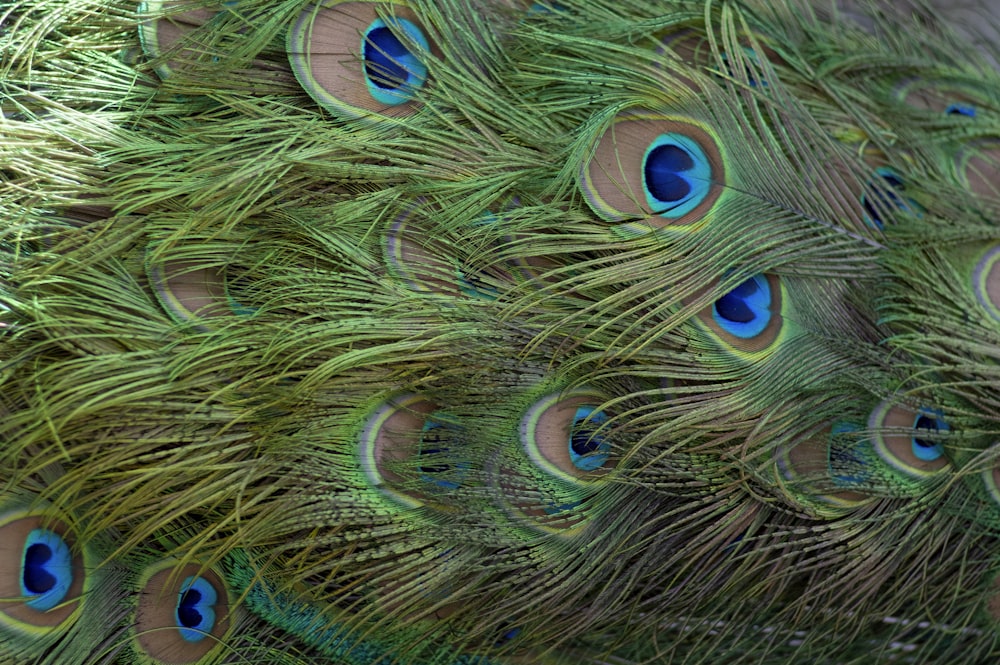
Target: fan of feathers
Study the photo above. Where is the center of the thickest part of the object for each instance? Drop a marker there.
(490, 332)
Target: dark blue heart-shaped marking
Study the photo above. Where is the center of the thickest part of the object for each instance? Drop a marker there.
(924, 449)
(847, 462)
(37, 579)
(886, 194)
(735, 306)
(383, 56)
(46, 569)
(745, 311)
(187, 609)
(961, 109)
(588, 450)
(392, 72)
(676, 175)
(664, 167)
(437, 469)
(195, 611)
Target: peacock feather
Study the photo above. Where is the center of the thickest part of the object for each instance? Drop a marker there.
(490, 332)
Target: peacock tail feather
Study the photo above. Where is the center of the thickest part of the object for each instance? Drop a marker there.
(489, 332)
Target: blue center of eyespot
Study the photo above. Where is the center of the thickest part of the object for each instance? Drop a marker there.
(392, 73)
(46, 569)
(195, 612)
(735, 543)
(676, 175)
(433, 442)
(539, 8)
(886, 192)
(961, 109)
(846, 460)
(552, 508)
(472, 285)
(507, 635)
(236, 287)
(754, 58)
(924, 449)
(588, 450)
(744, 312)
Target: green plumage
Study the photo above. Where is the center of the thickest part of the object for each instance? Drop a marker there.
(482, 332)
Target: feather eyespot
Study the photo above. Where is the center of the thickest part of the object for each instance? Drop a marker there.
(47, 569)
(745, 312)
(978, 167)
(659, 169)
(506, 634)
(540, 506)
(966, 110)
(405, 452)
(953, 98)
(751, 64)
(42, 577)
(164, 32)
(676, 175)
(905, 439)
(804, 471)
(191, 292)
(195, 611)
(747, 318)
(926, 449)
(424, 264)
(436, 464)
(885, 195)
(360, 59)
(418, 260)
(188, 292)
(588, 448)
(391, 435)
(183, 613)
(564, 435)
